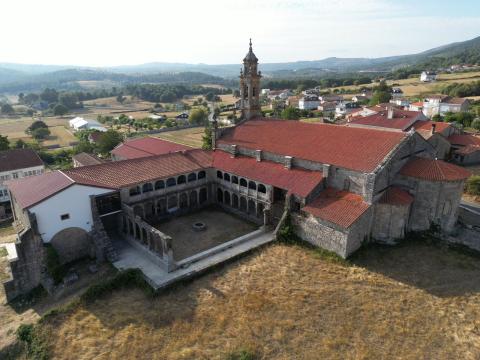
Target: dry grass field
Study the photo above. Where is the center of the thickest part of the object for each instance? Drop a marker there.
(15, 128)
(415, 301)
(190, 137)
(414, 87)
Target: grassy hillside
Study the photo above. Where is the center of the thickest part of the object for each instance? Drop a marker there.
(411, 302)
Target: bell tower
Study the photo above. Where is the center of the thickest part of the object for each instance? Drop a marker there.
(250, 86)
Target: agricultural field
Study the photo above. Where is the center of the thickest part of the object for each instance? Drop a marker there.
(414, 301)
(190, 137)
(414, 87)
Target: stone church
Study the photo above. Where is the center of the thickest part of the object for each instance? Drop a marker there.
(340, 186)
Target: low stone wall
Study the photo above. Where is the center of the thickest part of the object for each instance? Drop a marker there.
(468, 217)
(27, 267)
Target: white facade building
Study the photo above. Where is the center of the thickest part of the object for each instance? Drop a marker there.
(309, 102)
(428, 76)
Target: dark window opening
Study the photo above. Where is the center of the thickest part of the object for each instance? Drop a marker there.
(171, 182)
(65, 216)
(181, 179)
(160, 184)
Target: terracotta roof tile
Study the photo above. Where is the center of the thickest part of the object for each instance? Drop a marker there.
(396, 196)
(33, 189)
(119, 174)
(148, 146)
(19, 159)
(348, 147)
(402, 119)
(464, 139)
(298, 181)
(467, 149)
(433, 170)
(87, 159)
(339, 207)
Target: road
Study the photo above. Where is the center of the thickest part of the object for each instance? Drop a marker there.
(470, 206)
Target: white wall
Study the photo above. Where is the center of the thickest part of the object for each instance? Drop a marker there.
(74, 201)
(21, 173)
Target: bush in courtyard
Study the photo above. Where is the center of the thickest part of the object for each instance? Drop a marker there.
(473, 185)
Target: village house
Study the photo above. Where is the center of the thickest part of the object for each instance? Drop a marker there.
(428, 76)
(84, 159)
(466, 148)
(146, 146)
(441, 104)
(79, 123)
(16, 164)
(308, 102)
(340, 186)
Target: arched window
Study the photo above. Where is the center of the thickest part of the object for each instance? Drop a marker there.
(262, 188)
(243, 204)
(181, 179)
(147, 187)
(160, 184)
(219, 174)
(192, 177)
(134, 190)
(171, 182)
(183, 201)
(226, 176)
(234, 179)
(220, 195)
(226, 197)
(243, 182)
(260, 208)
(252, 209)
(252, 185)
(201, 175)
(235, 201)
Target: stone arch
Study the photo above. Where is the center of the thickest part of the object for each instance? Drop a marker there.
(202, 196)
(182, 179)
(149, 208)
(261, 188)
(219, 174)
(226, 198)
(172, 202)
(220, 196)
(147, 187)
(161, 206)
(193, 199)
(201, 175)
(251, 207)
(226, 176)
(260, 208)
(134, 191)
(160, 184)
(243, 204)
(192, 177)
(235, 201)
(243, 182)
(183, 201)
(72, 243)
(171, 182)
(234, 179)
(252, 185)
(138, 210)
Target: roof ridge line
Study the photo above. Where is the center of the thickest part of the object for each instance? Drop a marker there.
(68, 177)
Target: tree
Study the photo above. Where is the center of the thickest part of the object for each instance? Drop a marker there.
(69, 100)
(7, 109)
(236, 93)
(4, 143)
(40, 133)
(121, 98)
(473, 185)
(380, 97)
(60, 110)
(36, 125)
(210, 96)
(108, 141)
(207, 143)
(290, 113)
(198, 116)
(20, 144)
(476, 124)
(83, 146)
(49, 95)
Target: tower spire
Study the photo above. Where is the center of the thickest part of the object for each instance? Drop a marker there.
(250, 86)
(250, 44)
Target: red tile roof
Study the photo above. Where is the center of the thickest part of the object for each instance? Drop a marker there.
(85, 159)
(120, 174)
(464, 139)
(148, 146)
(353, 148)
(433, 170)
(417, 104)
(339, 207)
(402, 119)
(427, 125)
(298, 181)
(31, 190)
(16, 159)
(396, 196)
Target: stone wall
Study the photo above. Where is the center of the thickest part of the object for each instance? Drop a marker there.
(28, 266)
(391, 222)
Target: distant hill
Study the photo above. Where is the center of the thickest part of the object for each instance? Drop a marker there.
(23, 77)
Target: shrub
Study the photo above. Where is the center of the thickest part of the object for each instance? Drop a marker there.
(56, 270)
(242, 354)
(476, 124)
(34, 345)
(473, 185)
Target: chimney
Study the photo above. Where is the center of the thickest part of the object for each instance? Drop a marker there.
(325, 170)
(433, 128)
(288, 162)
(258, 155)
(390, 112)
(233, 150)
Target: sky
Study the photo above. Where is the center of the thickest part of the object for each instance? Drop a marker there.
(120, 32)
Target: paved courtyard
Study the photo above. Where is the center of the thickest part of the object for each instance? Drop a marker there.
(220, 227)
